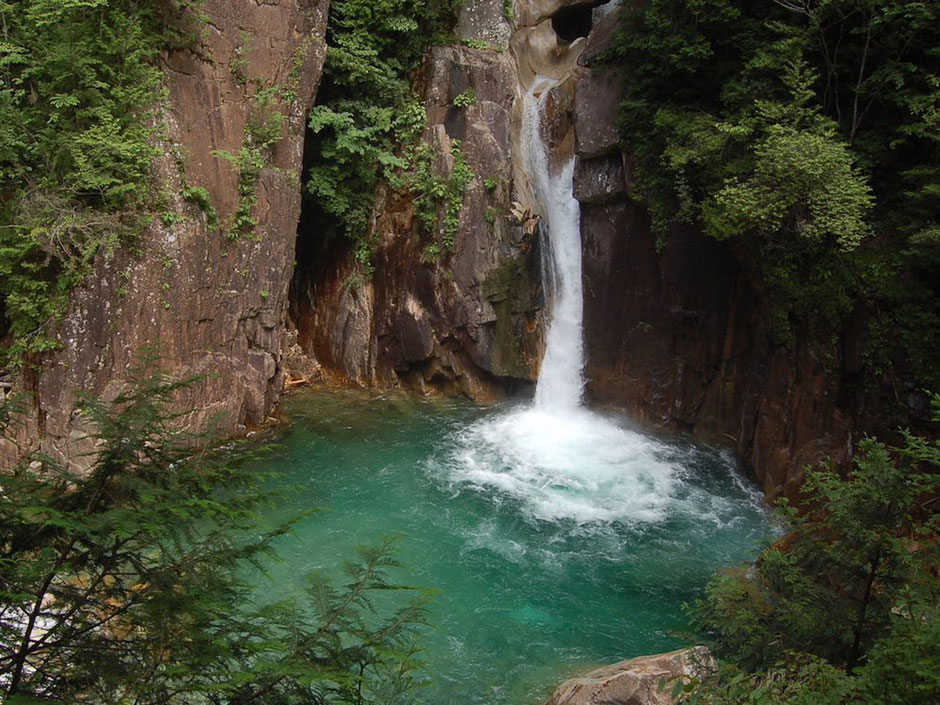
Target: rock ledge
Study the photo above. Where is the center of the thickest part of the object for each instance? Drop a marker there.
(636, 681)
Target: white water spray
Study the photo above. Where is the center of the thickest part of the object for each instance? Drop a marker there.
(558, 460)
(560, 380)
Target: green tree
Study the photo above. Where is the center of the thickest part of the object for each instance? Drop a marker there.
(829, 587)
(132, 582)
(78, 82)
(367, 112)
(852, 589)
(807, 132)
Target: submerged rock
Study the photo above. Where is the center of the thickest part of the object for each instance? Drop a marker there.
(636, 681)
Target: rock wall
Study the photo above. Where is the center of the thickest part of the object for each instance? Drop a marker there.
(468, 320)
(462, 321)
(678, 334)
(207, 304)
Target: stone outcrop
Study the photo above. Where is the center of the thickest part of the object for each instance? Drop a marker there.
(463, 321)
(637, 681)
(206, 303)
(678, 332)
(466, 319)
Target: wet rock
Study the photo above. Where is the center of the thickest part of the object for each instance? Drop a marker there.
(646, 680)
(484, 20)
(600, 180)
(427, 321)
(678, 331)
(597, 102)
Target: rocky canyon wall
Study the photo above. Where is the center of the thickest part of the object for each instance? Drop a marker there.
(463, 318)
(205, 303)
(676, 332)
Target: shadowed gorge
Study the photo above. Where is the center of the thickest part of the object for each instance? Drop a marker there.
(554, 542)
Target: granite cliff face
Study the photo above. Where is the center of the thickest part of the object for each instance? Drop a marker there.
(468, 320)
(463, 321)
(679, 334)
(206, 304)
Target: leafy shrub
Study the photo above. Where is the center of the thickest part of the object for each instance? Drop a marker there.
(367, 115)
(465, 99)
(843, 609)
(808, 133)
(78, 82)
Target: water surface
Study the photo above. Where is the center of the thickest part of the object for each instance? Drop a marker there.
(556, 541)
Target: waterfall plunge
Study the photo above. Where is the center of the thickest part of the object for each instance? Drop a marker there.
(560, 380)
(560, 461)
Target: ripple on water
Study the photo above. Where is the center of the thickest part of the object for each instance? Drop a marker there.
(583, 470)
(556, 541)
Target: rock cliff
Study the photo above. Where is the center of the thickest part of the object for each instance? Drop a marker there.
(468, 318)
(678, 333)
(204, 302)
(460, 319)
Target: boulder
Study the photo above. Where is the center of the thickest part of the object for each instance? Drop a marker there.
(484, 21)
(600, 180)
(596, 105)
(645, 680)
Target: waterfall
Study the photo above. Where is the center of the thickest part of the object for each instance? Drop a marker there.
(559, 461)
(560, 381)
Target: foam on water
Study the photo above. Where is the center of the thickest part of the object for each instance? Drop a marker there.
(574, 466)
(584, 471)
(557, 540)
(560, 461)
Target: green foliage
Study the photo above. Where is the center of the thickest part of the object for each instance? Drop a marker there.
(801, 181)
(901, 668)
(843, 609)
(478, 44)
(797, 679)
(508, 11)
(808, 132)
(263, 128)
(465, 99)
(200, 196)
(439, 198)
(238, 64)
(128, 583)
(77, 86)
(367, 115)
(833, 582)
